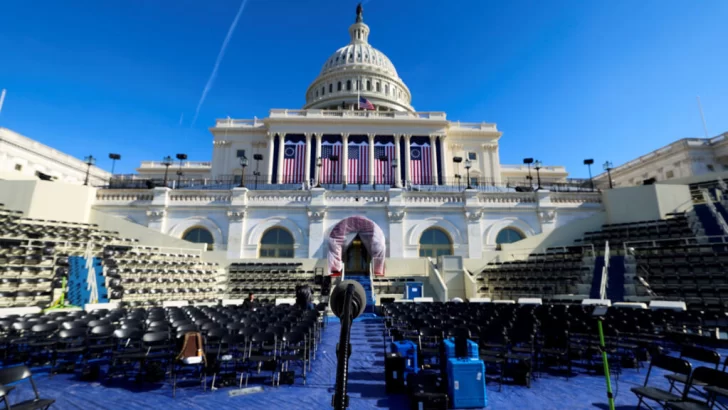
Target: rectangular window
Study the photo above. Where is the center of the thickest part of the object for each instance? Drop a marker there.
(18, 167)
(669, 174)
(240, 153)
(472, 156)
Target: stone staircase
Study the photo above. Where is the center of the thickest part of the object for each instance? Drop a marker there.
(366, 283)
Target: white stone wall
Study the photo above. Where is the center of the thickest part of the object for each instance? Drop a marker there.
(683, 158)
(21, 157)
(237, 219)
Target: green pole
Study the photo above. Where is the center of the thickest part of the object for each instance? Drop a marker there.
(603, 348)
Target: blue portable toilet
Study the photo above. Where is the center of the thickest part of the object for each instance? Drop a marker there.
(413, 290)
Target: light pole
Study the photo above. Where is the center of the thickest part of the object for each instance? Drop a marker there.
(243, 164)
(318, 175)
(394, 172)
(537, 165)
(588, 163)
(113, 158)
(257, 158)
(608, 167)
(167, 162)
(89, 160)
(529, 161)
(457, 161)
(468, 164)
(181, 158)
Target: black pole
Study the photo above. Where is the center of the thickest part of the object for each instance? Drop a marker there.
(538, 177)
(469, 187)
(88, 170)
(609, 174)
(242, 179)
(166, 171)
(530, 178)
(591, 181)
(340, 401)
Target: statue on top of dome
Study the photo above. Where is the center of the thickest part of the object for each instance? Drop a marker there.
(359, 12)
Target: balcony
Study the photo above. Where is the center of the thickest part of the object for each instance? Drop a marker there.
(205, 165)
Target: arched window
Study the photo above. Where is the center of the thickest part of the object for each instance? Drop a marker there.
(379, 87)
(435, 242)
(386, 89)
(338, 87)
(508, 235)
(276, 243)
(199, 235)
(348, 85)
(323, 91)
(369, 85)
(331, 88)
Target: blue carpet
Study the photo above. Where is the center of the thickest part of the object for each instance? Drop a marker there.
(366, 386)
(615, 288)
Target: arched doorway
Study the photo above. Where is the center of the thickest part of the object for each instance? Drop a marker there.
(199, 235)
(276, 243)
(372, 249)
(508, 235)
(435, 242)
(356, 258)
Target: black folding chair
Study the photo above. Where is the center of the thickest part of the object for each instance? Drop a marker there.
(16, 374)
(671, 364)
(715, 383)
(70, 347)
(696, 353)
(293, 348)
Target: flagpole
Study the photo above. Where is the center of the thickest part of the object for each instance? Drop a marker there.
(358, 94)
(700, 107)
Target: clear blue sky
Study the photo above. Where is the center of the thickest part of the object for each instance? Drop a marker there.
(564, 80)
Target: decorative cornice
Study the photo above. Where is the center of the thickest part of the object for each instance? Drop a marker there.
(316, 215)
(156, 214)
(236, 216)
(474, 215)
(396, 215)
(547, 216)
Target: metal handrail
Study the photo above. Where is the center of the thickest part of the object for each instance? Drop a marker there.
(691, 240)
(717, 215)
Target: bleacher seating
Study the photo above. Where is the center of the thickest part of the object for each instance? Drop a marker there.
(696, 273)
(539, 275)
(268, 280)
(676, 227)
(34, 259)
(144, 276)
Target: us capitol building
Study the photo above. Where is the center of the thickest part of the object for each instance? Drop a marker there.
(356, 161)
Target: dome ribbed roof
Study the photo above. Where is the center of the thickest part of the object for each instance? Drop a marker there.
(356, 71)
(357, 55)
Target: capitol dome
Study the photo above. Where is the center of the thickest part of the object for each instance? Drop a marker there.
(355, 70)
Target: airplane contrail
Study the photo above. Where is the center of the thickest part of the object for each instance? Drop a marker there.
(220, 55)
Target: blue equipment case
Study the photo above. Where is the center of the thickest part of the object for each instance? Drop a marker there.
(466, 383)
(473, 352)
(408, 350)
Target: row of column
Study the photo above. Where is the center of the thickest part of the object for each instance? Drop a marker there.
(345, 156)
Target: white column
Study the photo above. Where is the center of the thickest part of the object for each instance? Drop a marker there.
(398, 155)
(433, 155)
(281, 154)
(443, 160)
(370, 178)
(318, 137)
(496, 165)
(344, 159)
(271, 151)
(307, 162)
(407, 176)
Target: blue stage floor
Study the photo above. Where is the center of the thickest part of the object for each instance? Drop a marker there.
(366, 386)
